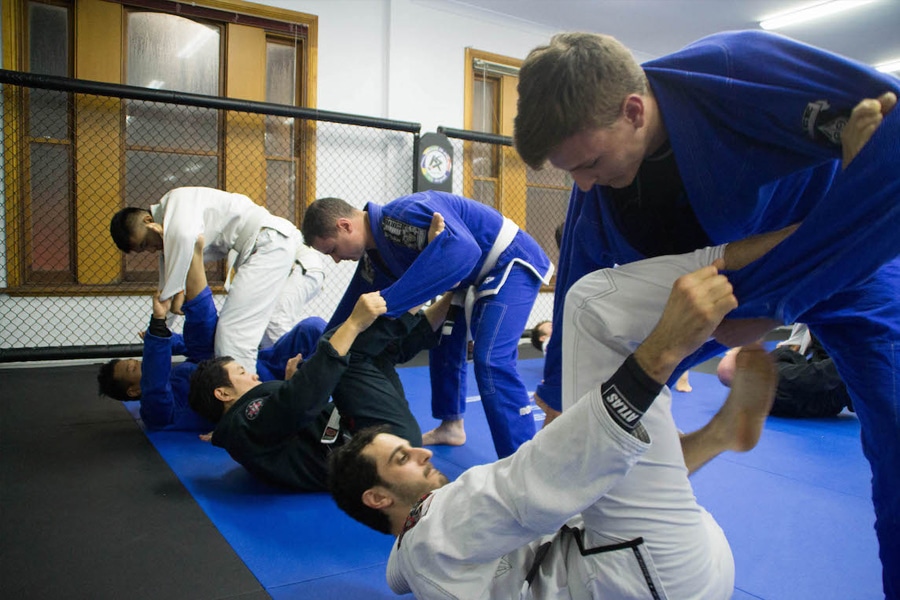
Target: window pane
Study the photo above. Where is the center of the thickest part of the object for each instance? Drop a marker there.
(48, 54)
(484, 161)
(168, 126)
(169, 52)
(546, 210)
(484, 102)
(549, 176)
(484, 193)
(280, 87)
(280, 188)
(50, 219)
(172, 53)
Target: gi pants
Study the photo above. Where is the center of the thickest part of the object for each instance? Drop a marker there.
(686, 555)
(265, 298)
(498, 321)
(370, 391)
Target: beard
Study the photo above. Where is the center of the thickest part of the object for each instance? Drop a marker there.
(412, 492)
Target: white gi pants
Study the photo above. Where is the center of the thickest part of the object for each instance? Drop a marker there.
(266, 297)
(607, 314)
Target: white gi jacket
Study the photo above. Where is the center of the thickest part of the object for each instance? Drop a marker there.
(227, 221)
(478, 536)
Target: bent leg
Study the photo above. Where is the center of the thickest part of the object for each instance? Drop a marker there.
(607, 314)
(304, 283)
(301, 339)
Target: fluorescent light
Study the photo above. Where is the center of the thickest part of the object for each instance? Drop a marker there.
(891, 66)
(810, 12)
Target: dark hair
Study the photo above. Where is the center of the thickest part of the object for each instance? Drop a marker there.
(123, 224)
(557, 235)
(320, 218)
(209, 375)
(350, 474)
(109, 385)
(536, 335)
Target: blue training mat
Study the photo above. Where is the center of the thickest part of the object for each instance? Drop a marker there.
(796, 509)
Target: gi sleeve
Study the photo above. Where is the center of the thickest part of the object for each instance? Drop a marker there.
(449, 259)
(306, 393)
(157, 402)
(200, 320)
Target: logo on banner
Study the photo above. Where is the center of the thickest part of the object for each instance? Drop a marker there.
(435, 164)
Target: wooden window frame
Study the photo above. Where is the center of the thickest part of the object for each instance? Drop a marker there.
(102, 58)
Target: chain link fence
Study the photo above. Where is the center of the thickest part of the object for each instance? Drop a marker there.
(75, 152)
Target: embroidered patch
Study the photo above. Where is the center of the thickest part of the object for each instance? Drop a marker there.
(252, 410)
(418, 511)
(822, 123)
(404, 234)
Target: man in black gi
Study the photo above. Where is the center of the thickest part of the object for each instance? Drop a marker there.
(281, 431)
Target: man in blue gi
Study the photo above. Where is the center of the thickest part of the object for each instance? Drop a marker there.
(736, 134)
(480, 254)
(162, 386)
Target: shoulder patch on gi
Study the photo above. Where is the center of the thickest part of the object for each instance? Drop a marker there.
(404, 234)
(822, 123)
(252, 410)
(418, 511)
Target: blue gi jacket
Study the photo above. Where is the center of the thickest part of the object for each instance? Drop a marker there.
(408, 271)
(753, 119)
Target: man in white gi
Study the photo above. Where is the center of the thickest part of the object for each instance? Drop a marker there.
(276, 274)
(590, 508)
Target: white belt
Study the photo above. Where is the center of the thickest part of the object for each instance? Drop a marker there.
(504, 238)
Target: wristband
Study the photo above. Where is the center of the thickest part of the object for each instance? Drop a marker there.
(628, 394)
(158, 328)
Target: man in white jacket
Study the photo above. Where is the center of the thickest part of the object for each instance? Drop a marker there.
(598, 504)
(276, 274)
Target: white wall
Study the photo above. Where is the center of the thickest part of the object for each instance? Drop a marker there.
(404, 59)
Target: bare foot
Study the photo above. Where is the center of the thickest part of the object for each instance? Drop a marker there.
(437, 226)
(864, 120)
(748, 404)
(683, 385)
(448, 433)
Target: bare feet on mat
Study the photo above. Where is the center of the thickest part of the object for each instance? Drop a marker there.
(448, 433)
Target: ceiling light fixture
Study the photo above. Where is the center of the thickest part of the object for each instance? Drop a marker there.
(810, 12)
(891, 66)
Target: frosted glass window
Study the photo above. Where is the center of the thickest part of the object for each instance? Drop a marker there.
(48, 54)
(169, 52)
(50, 218)
(281, 88)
